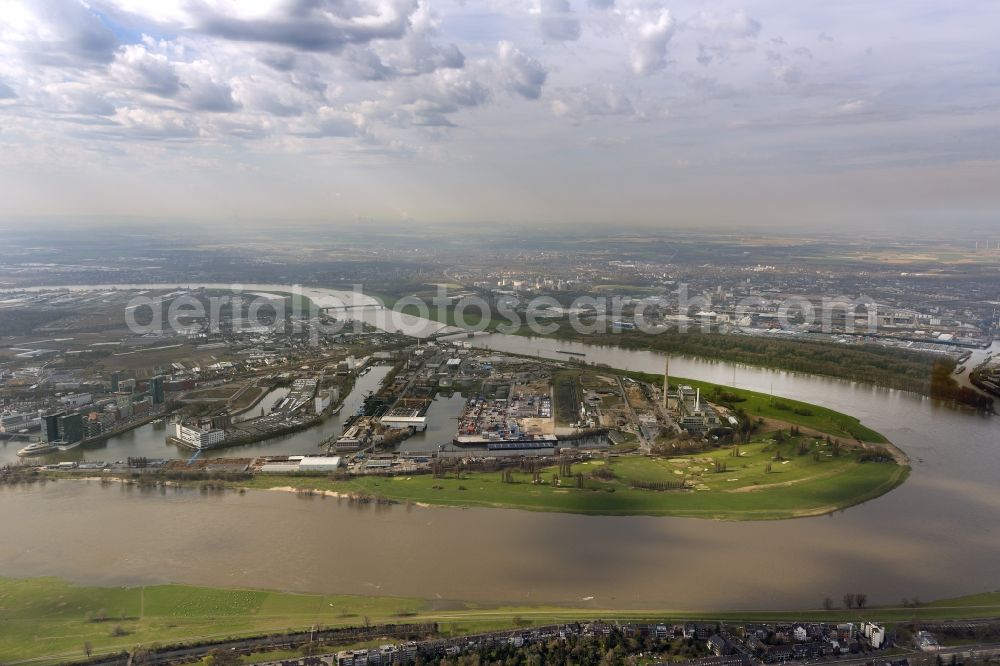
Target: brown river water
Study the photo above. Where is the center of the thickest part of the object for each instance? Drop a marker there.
(938, 535)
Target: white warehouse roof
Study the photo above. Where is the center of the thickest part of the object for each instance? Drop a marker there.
(317, 463)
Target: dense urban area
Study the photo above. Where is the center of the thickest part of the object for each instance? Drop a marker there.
(256, 381)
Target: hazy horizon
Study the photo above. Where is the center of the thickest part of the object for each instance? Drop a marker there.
(626, 113)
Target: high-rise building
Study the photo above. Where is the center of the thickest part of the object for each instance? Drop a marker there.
(156, 389)
(116, 378)
(71, 427)
(50, 426)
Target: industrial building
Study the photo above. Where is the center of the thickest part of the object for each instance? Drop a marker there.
(295, 464)
(405, 417)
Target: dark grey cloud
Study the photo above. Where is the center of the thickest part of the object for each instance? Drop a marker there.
(313, 25)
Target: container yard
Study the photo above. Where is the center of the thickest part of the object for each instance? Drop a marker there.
(524, 417)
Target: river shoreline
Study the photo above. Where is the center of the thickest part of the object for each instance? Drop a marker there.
(885, 547)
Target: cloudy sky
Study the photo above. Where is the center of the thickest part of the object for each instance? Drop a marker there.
(820, 114)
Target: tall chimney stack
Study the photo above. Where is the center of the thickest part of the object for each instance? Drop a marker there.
(666, 381)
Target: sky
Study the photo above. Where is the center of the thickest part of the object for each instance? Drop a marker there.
(762, 114)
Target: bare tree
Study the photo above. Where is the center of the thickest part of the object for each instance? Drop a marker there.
(88, 649)
(860, 599)
(849, 600)
(828, 604)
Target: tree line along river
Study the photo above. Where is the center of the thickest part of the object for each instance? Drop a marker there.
(937, 535)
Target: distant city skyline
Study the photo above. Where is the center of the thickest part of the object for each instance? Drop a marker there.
(806, 116)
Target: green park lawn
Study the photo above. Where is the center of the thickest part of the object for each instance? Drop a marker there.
(796, 412)
(45, 616)
(812, 483)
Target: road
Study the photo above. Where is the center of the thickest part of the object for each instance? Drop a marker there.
(645, 446)
(915, 657)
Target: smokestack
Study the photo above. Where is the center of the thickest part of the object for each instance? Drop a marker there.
(697, 400)
(666, 381)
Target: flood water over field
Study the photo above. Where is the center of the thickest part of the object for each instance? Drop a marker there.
(937, 535)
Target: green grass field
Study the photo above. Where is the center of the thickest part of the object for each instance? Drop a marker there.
(48, 621)
(46, 616)
(813, 483)
(799, 413)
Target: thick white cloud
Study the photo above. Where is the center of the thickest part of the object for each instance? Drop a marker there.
(417, 52)
(56, 32)
(649, 29)
(519, 72)
(134, 66)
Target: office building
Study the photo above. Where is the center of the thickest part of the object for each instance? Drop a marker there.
(50, 427)
(156, 389)
(71, 427)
